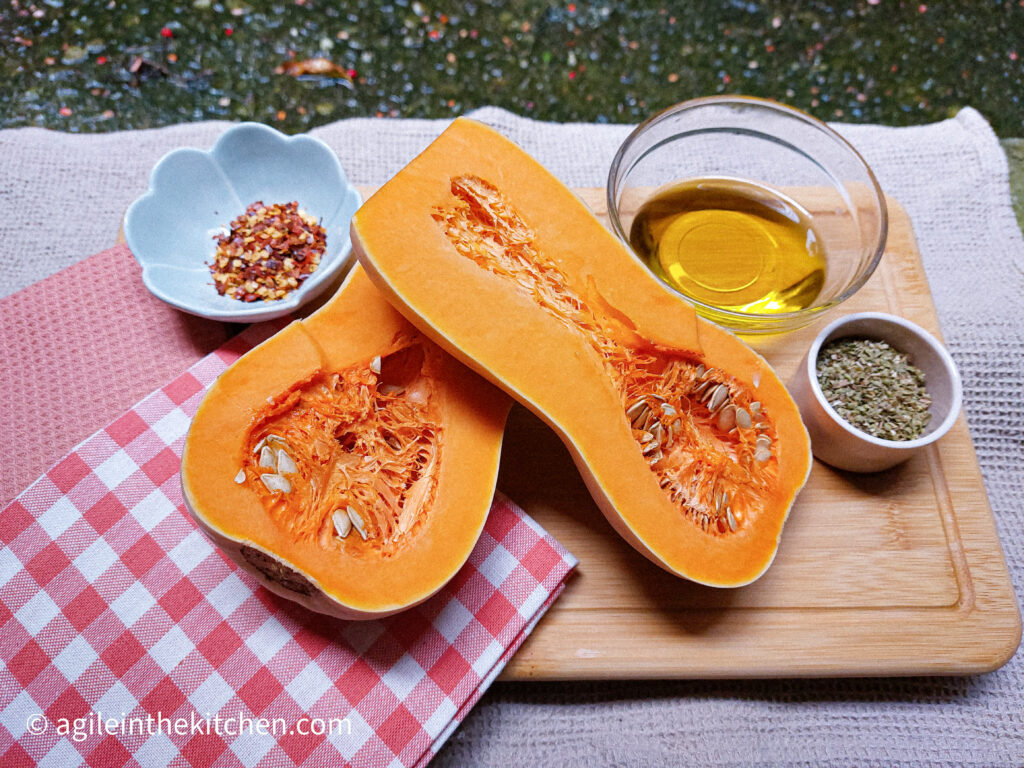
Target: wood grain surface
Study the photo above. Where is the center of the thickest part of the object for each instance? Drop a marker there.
(894, 573)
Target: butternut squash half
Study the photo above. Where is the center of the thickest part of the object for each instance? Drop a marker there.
(347, 462)
(687, 440)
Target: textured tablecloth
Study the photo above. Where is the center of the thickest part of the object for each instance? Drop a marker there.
(62, 197)
(129, 639)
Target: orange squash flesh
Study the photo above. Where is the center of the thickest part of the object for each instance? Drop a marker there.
(496, 260)
(348, 578)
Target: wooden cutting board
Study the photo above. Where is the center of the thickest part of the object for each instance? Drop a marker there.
(894, 573)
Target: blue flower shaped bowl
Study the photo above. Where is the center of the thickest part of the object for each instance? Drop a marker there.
(194, 195)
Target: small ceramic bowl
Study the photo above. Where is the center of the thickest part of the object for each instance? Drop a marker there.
(194, 195)
(837, 442)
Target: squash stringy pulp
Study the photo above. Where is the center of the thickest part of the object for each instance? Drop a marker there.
(349, 459)
(701, 431)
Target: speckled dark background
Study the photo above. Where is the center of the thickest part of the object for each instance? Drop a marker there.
(98, 66)
(69, 64)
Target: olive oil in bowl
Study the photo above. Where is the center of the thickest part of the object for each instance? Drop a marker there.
(731, 244)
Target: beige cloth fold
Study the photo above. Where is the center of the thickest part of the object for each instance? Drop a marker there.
(62, 197)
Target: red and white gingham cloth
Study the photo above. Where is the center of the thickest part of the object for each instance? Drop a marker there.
(127, 639)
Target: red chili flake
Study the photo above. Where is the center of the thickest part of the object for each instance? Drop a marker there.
(352, 74)
(228, 31)
(572, 75)
(268, 252)
(101, 60)
(433, 34)
(572, 7)
(166, 32)
(64, 111)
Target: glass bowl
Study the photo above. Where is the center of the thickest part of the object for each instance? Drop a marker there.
(791, 170)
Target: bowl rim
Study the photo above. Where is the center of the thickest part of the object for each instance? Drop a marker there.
(948, 365)
(779, 318)
(253, 311)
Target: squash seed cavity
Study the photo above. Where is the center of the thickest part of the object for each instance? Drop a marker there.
(700, 430)
(352, 449)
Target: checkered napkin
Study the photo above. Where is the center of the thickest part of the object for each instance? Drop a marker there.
(128, 639)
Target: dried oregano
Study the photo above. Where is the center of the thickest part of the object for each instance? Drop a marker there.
(874, 387)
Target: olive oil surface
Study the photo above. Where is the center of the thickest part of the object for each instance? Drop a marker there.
(731, 244)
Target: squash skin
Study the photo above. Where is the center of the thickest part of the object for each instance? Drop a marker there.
(355, 325)
(505, 336)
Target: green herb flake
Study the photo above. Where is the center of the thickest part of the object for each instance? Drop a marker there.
(874, 387)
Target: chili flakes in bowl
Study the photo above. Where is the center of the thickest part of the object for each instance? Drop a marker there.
(267, 253)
